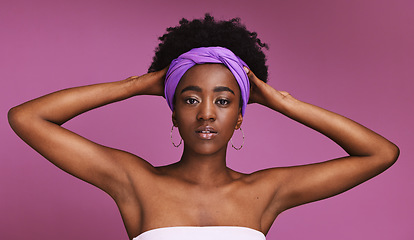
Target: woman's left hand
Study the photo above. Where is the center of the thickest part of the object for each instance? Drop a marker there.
(369, 153)
(262, 93)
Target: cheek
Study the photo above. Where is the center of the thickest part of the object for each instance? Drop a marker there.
(182, 115)
(184, 121)
(229, 121)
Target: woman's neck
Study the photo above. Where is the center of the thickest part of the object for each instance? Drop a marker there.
(203, 169)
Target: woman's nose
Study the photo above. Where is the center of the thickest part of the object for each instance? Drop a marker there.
(206, 111)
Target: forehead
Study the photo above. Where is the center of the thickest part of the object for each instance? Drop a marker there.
(208, 76)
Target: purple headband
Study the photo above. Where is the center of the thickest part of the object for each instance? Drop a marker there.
(203, 55)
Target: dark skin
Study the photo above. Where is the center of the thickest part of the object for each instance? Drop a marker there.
(199, 190)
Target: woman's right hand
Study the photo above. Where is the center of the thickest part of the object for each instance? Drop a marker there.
(150, 83)
(38, 121)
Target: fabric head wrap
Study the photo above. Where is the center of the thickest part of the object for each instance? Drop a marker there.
(203, 55)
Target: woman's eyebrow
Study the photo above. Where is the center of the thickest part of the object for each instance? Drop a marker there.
(222, 88)
(191, 88)
(216, 89)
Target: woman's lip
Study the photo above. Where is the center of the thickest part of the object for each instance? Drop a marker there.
(205, 129)
(206, 135)
(206, 132)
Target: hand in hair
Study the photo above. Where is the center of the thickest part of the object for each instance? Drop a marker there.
(153, 82)
(261, 92)
(369, 153)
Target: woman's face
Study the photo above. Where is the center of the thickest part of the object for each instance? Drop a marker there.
(207, 108)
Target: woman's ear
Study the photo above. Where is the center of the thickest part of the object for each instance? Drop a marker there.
(239, 120)
(174, 120)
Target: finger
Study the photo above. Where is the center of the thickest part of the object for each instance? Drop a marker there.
(251, 75)
(246, 69)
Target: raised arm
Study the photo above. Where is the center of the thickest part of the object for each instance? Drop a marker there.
(38, 122)
(369, 153)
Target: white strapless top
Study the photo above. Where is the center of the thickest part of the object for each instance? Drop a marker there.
(202, 233)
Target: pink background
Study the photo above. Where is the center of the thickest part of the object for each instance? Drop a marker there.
(352, 57)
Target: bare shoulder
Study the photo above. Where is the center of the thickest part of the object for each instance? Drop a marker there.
(263, 183)
(258, 191)
(265, 176)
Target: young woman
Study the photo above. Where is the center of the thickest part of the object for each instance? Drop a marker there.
(208, 71)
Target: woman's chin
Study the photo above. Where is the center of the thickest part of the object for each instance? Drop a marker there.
(208, 149)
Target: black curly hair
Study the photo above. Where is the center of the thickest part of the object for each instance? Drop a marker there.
(208, 32)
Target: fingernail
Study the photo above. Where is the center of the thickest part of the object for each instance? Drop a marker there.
(246, 69)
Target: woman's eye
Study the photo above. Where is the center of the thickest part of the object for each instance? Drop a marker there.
(191, 101)
(223, 102)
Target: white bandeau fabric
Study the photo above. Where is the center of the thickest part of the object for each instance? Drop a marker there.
(202, 233)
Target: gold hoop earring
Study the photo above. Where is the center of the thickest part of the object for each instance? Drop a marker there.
(181, 141)
(241, 146)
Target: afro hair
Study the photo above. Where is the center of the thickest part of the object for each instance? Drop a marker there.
(208, 32)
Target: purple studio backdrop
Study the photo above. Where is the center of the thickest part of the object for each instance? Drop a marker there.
(351, 57)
